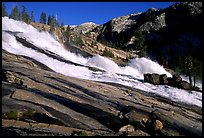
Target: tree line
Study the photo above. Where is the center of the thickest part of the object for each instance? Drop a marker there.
(22, 15)
(28, 17)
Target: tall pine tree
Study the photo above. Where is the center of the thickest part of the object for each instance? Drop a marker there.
(4, 12)
(15, 13)
(24, 15)
(62, 26)
(43, 18)
(49, 21)
(32, 16)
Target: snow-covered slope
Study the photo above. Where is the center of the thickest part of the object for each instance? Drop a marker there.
(131, 75)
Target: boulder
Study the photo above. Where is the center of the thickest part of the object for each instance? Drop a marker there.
(134, 116)
(158, 125)
(185, 85)
(164, 79)
(152, 78)
(175, 81)
(176, 78)
(127, 129)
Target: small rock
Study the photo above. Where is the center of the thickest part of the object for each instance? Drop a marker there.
(127, 129)
(144, 120)
(185, 85)
(158, 125)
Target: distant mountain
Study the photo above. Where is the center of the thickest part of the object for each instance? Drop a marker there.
(170, 33)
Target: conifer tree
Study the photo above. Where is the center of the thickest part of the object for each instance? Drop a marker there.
(53, 21)
(43, 18)
(32, 16)
(49, 20)
(140, 43)
(24, 15)
(4, 12)
(62, 26)
(67, 34)
(15, 13)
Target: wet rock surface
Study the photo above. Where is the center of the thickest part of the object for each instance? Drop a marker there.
(39, 102)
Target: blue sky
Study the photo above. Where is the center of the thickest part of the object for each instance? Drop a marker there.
(75, 13)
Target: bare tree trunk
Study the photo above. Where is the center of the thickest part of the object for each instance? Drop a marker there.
(190, 79)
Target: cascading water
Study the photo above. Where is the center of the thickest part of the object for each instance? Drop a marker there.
(130, 75)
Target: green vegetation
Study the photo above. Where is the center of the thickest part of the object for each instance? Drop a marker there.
(82, 133)
(32, 18)
(15, 13)
(18, 114)
(19, 15)
(51, 23)
(11, 115)
(139, 44)
(43, 18)
(62, 25)
(66, 34)
(93, 43)
(108, 53)
(4, 12)
(24, 15)
(78, 41)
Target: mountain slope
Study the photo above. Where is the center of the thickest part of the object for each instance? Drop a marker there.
(169, 33)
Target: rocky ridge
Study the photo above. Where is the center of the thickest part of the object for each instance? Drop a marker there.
(169, 33)
(84, 28)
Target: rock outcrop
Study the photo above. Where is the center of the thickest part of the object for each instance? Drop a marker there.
(84, 28)
(51, 104)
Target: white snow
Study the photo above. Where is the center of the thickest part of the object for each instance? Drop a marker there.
(130, 75)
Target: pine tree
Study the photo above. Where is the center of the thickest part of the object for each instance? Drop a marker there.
(43, 18)
(189, 67)
(62, 25)
(32, 16)
(4, 12)
(49, 20)
(24, 15)
(67, 34)
(140, 43)
(53, 21)
(15, 13)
